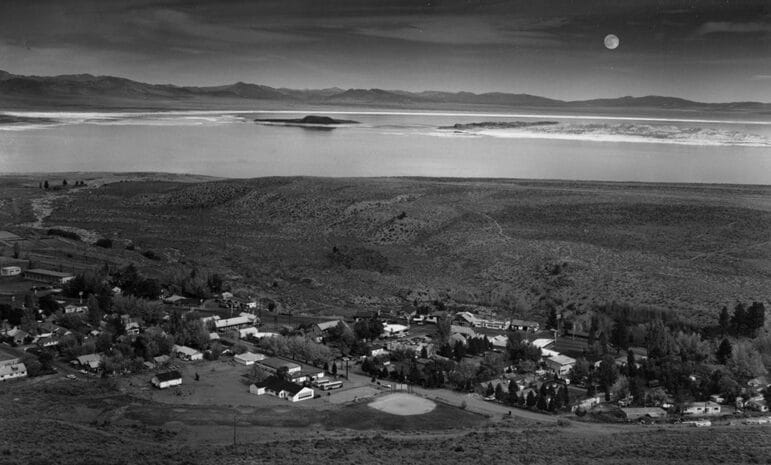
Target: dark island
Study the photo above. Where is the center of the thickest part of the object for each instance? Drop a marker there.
(499, 125)
(309, 120)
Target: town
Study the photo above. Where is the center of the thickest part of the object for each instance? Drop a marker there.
(75, 311)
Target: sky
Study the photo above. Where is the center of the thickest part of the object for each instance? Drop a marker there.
(710, 50)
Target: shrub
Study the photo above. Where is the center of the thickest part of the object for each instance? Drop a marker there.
(103, 242)
(63, 233)
(151, 255)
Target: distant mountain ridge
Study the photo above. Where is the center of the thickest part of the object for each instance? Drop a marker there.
(86, 90)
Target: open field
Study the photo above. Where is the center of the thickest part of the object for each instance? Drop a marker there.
(691, 248)
(403, 404)
(94, 422)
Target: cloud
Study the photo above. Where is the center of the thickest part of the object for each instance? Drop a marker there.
(716, 27)
(761, 77)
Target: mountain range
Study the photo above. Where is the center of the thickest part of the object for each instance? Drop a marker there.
(109, 92)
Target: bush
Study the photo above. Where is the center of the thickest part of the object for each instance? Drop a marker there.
(151, 255)
(103, 242)
(63, 233)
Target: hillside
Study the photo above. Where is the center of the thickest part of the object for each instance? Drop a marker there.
(327, 245)
(106, 92)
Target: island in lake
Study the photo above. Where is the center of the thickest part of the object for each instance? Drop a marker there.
(310, 120)
(498, 125)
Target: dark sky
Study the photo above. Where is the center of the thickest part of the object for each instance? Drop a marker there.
(705, 50)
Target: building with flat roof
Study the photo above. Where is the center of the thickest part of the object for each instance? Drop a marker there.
(48, 276)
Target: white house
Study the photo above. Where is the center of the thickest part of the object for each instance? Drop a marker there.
(702, 408)
(248, 358)
(167, 380)
(17, 370)
(243, 319)
(90, 361)
(394, 330)
(10, 271)
(251, 331)
(282, 389)
(560, 364)
(187, 353)
(75, 309)
(273, 364)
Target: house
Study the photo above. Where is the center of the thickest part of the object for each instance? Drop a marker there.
(244, 319)
(187, 353)
(90, 361)
(251, 331)
(132, 328)
(178, 300)
(394, 330)
(643, 413)
(75, 309)
(702, 408)
(560, 364)
(500, 341)
(161, 359)
(10, 271)
(716, 398)
(214, 337)
(248, 358)
(8, 358)
(47, 276)
(18, 336)
(465, 331)
(542, 343)
(18, 370)
(47, 341)
(757, 405)
(273, 364)
(323, 327)
(167, 380)
(282, 389)
(524, 325)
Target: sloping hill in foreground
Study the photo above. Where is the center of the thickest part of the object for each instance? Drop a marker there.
(326, 245)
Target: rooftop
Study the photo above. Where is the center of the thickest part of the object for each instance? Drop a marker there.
(54, 274)
(168, 376)
(277, 384)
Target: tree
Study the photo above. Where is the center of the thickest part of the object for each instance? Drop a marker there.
(490, 390)
(724, 321)
(552, 321)
(530, 399)
(423, 352)
(16, 250)
(541, 403)
(724, 352)
(739, 319)
(64, 182)
(95, 313)
(458, 351)
(756, 318)
(443, 328)
(607, 373)
(45, 184)
(580, 372)
(334, 368)
(746, 362)
(499, 394)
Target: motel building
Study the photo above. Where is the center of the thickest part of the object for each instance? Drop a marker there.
(282, 389)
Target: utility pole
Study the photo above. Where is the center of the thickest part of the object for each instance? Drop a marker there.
(234, 430)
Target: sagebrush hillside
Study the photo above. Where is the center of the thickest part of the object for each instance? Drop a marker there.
(325, 245)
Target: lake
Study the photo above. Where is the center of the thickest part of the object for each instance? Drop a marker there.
(231, 144)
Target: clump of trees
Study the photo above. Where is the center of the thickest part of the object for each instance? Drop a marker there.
(63, 233)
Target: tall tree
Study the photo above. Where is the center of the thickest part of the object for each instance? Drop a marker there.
(724, 352)
(756, 318)
(607, 373)
(739, 319)
(724, 321)
(95, 313)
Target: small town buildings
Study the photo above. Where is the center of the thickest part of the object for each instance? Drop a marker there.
(500, 341)
(251, 331)
(273, 364)
(90, 361)
(243, 320)
(47, 276)
(282, 389)
(560, 364)
(248, 358)
(524, 325)
(179, 300)
(17, 370)
(167, 380)
(702, 408)
(187, 353)
(75, 308)
(18, 336)
(214, 337)
(394, 330)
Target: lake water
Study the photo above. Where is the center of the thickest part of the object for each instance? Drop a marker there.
(231, 144)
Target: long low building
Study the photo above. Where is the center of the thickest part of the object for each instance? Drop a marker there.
(47, 276)
(248, 358)
(187, 353)
(167, 380)
(282, 389)
(18, 370)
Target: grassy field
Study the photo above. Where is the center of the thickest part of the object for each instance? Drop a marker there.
(691, 248)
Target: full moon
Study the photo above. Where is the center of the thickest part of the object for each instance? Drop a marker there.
(611, 41)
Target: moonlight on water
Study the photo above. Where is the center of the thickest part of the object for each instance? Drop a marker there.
(611, 41)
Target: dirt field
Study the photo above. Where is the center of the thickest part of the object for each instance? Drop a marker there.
(403, 404)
